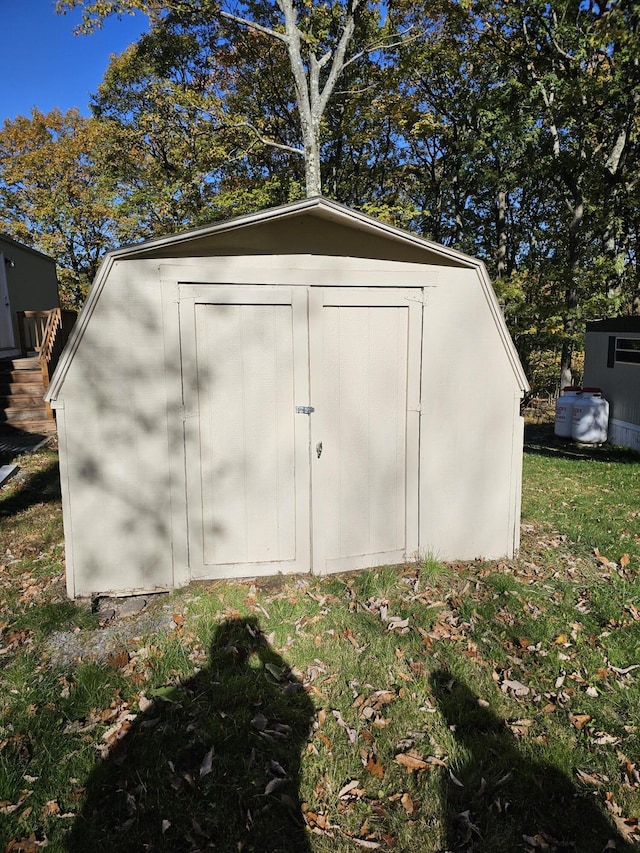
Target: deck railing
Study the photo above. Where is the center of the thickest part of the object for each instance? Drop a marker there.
(31, 330)
(45, 333)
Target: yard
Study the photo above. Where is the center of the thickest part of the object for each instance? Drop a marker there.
(426, 707)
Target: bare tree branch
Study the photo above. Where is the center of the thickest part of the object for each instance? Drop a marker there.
(253, 25)
(264, 139)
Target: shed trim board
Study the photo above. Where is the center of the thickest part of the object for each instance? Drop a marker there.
(250, 414)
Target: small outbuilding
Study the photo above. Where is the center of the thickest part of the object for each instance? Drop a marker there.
(300, 389)
(612, 363)
(28, 283)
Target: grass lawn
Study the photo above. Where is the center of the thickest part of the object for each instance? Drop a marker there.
(486, 706)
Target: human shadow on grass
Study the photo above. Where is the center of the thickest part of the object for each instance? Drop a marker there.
(499, 800)
(214, 765)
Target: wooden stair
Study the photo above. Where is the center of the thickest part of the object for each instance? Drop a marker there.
(22, 405)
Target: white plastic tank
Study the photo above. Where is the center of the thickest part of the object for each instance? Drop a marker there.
(590, 421)
(564, 410)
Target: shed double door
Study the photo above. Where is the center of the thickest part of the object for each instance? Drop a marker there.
(301, 427)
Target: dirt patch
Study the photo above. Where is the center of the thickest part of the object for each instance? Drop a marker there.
(123, 622)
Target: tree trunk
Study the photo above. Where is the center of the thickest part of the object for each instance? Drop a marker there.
(571, 294)
(501, 229)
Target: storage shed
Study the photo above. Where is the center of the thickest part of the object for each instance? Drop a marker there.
(612, 363)
(301, 389)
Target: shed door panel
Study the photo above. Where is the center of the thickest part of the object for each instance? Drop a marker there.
(365, 385)
(247, 451)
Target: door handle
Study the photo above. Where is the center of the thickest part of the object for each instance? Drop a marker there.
(319, 449)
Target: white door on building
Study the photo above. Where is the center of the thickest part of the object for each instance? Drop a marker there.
(301, 427)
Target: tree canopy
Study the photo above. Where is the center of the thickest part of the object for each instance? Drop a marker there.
(52, 195)
(507, 130)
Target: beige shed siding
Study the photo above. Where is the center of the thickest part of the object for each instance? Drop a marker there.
(433, 391)
(115, 445)
(249, 474)
(471, 432)
(365, 373)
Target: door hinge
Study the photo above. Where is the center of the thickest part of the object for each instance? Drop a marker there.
(304, 410)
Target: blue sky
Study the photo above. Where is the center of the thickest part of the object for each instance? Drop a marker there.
(43, 64)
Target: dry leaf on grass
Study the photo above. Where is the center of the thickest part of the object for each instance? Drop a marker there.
(626, 826)
(372, 765)
(207, 764)
(351, 790)
(351, 733)
(412, 761)
(409, 804)
(589, 778)
(25, 845)
(579, 721)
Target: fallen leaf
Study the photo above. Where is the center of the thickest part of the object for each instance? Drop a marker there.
(455, 779)
(144, 704)
(118, 660)
(276, 671)
(50, 808)
(351, 733)
(521, 727)
(373, 766)
(409, 804)
(412, 761)
(348, 788)
(600, 558)
(207, 763)
(259, 722)
(274, 785)
(579, 721)
(627, 827)
(516, 687)
(588, 778)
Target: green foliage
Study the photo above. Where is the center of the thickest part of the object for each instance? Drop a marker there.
(53, 197)
(508, 131)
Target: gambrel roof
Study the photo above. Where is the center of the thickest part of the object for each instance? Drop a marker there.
(313, 226)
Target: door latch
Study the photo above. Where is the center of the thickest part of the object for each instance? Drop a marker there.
(319, 449)
(304, 410)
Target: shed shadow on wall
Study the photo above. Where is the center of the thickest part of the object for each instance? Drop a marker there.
(501, 795)
(213, 766)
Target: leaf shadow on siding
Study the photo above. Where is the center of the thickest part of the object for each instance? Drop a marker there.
(213, 764)
(497, 798)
